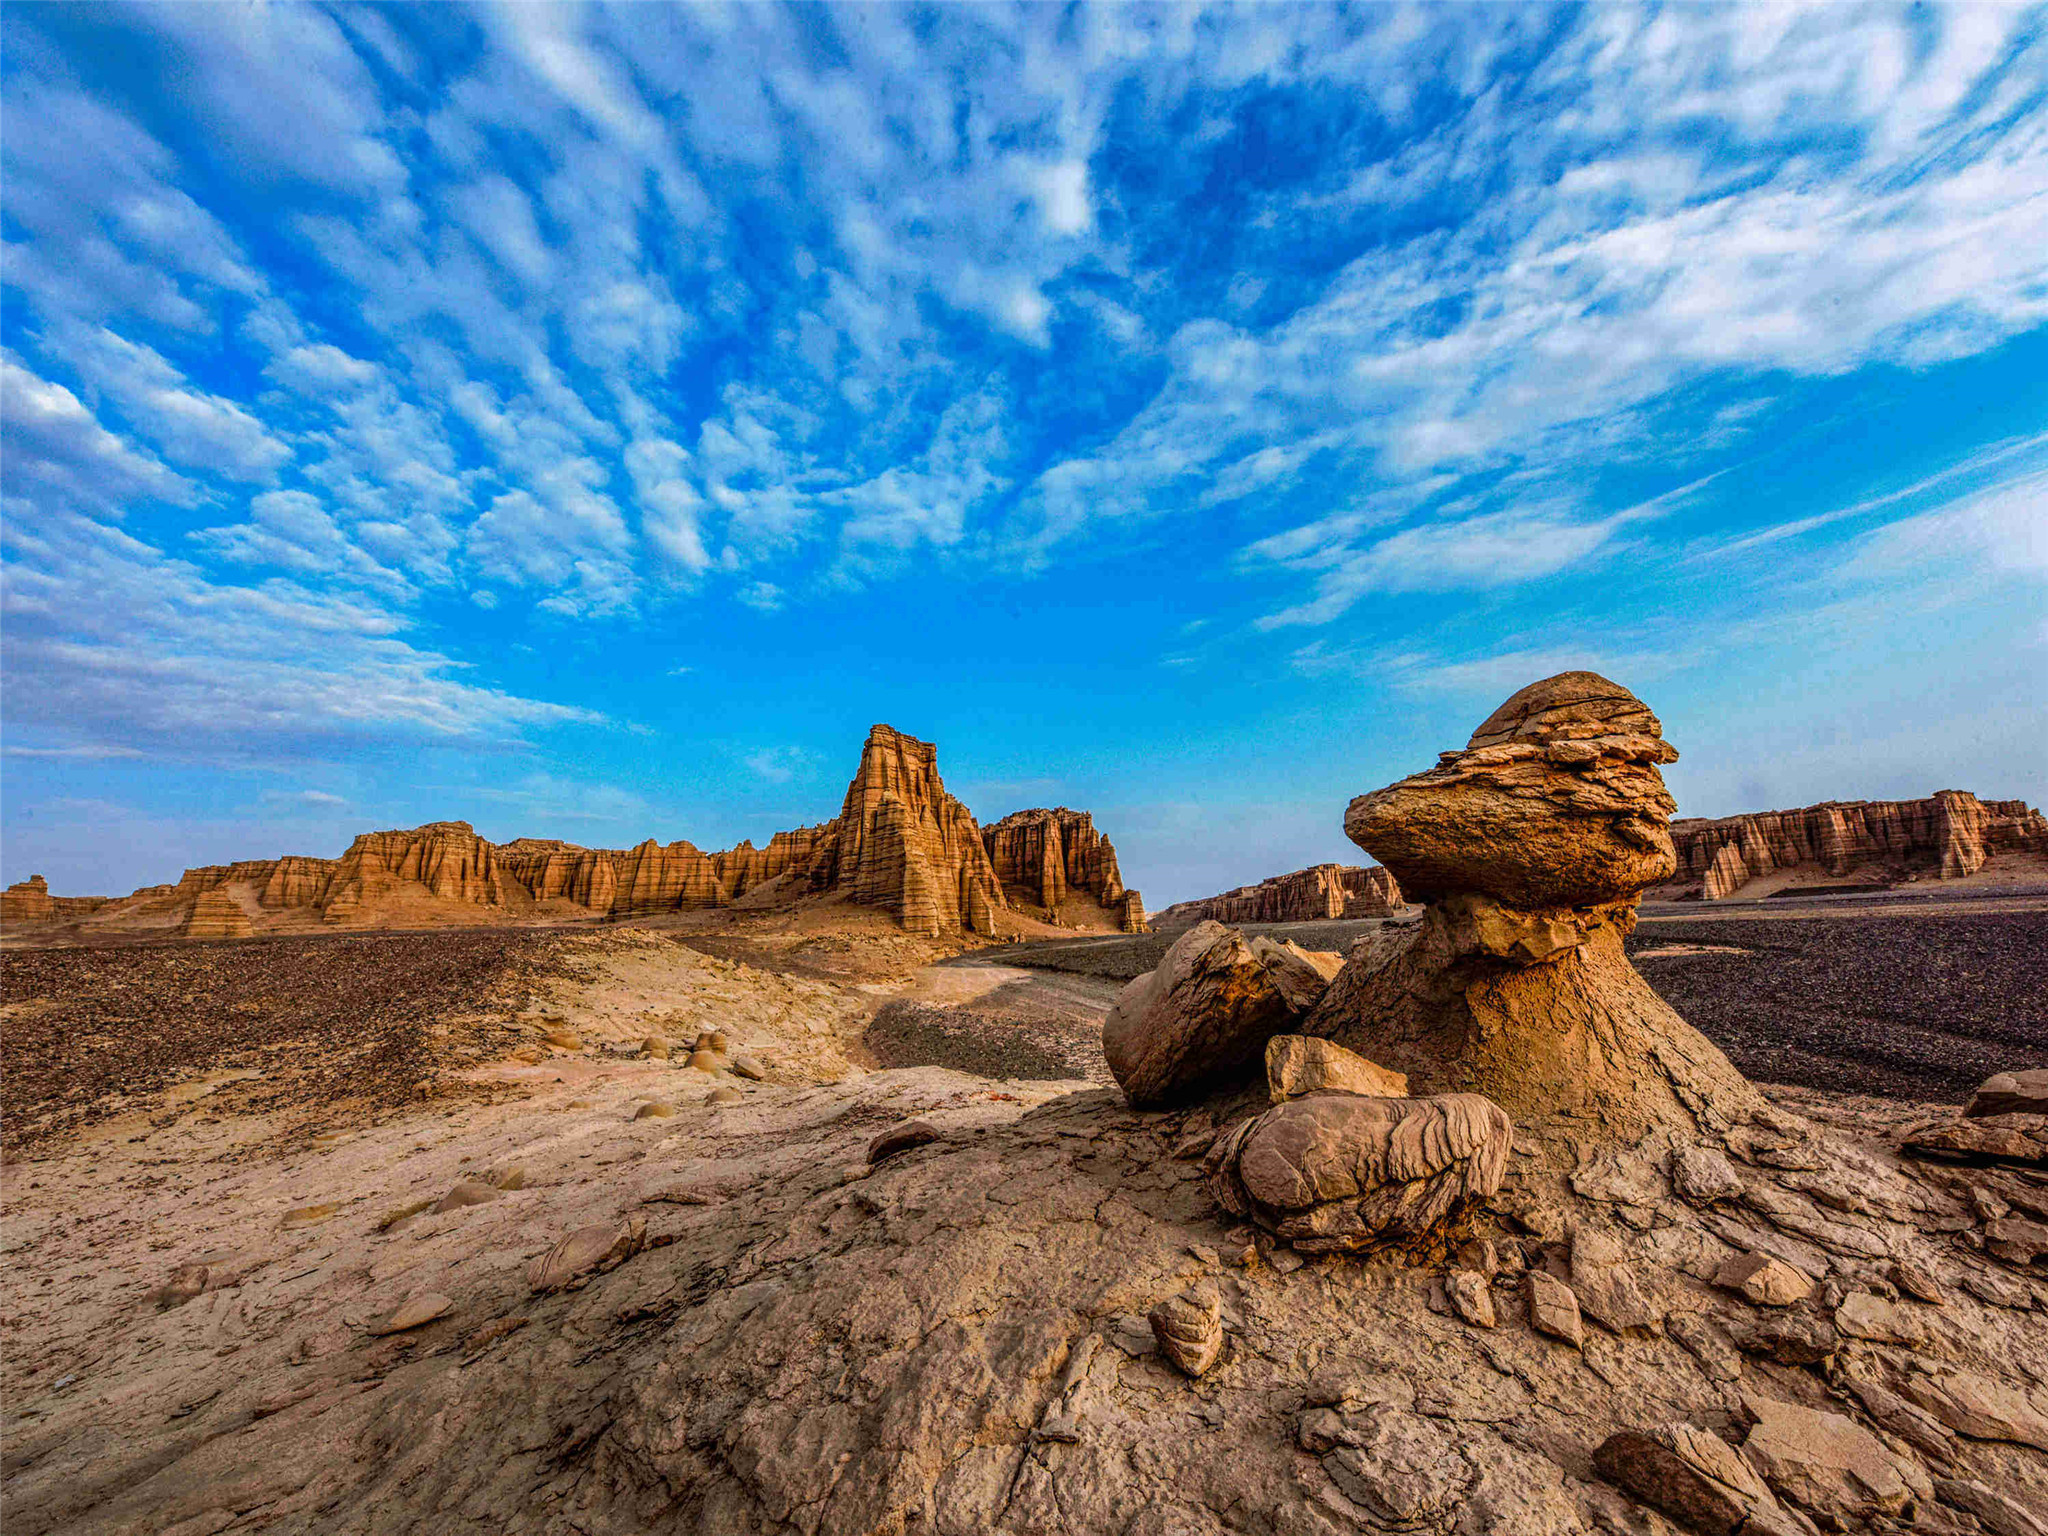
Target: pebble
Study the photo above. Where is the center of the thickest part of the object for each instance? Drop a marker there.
(901, 1138)
(415, 1312)
(749, 1068)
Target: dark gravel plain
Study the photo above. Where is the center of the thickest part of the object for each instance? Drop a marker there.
(1910, 1007)
(339, 1023)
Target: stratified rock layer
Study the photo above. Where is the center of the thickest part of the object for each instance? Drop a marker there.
(1320, 893)
(1950, 834)
(901, 843)
(1531, 846)
(217, 915)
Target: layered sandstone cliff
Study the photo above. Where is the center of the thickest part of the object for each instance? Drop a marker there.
(1320, 893)
(1043, 857)
(901, 843)
(1950, 834)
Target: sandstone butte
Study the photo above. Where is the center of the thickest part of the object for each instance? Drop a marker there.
(1951, 834)
(900, 843)
(1320, 893)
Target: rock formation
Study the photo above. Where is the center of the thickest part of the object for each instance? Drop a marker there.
(906, 845)
(1949, 834)
(1320, 893)
(1042, 856)
(900, 843)
(217, 915)
(1204, 1015)
(1530, 847)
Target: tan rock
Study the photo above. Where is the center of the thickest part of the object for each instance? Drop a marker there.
(2001, 1516)
(1977, 1406)
(1204, 1015)
(585, 1252)
(749, 1068)
(1320, 893)
(310, 1215)
(398, 1213)
(2010, 1138)
(724, 1095)
(1702, 1176)
(1471, 1297)
(712, 1040)
(1764, 1280)
(468, 1192)
(1554, 1310)
(1041, 857)
(1297, 1065)
(1829, 1465)
(186, 1282)
(1608, 1289)
(901, 1138)
(1690, 1474)
(706, 1061)
(1863, 1315)
(1339, 1172)
(564, 1039)
(654, 1048)
(656, 1110)
(2010, 1093)
(511, 1176)
(415, 1312)
(1189, 1329)
(217, 915)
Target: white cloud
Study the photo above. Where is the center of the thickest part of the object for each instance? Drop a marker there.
(192, 428)
(762, 596)
(57, 449)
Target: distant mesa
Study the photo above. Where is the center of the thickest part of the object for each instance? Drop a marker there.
(900, 844)
(1950, 835)
(1320, 893)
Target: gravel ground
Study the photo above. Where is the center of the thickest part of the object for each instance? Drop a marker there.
(1909, 1007)
(337, 1023)
(908, 1034)
(1915, 1006)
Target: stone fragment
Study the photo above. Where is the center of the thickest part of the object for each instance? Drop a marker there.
(468, 1192)
(2011, 1138)
(398, 1213)
(901, 1138)
(706, 1061)
(1702, 1175)
(655, 1110)
(1554, 1310)
(510, 1177)
(1893, 1414)
(1471, 1297)
(1862, 1315)
(1829, 1465)
(1297, 1065)
(1189, 1329)
(1338, 1172)
(712, 1040)
(1766, 1281)
(587, 1251)
(654, 1048)
(186, 1282)
(310, 1215)
(1689, 1473)
(725, 1095)
(749, 1068)
(2000, 1515)
(1204, 1015)
(1917, 1281)
(1608, 1289)
(2016, 1240)
(564, 1039)
(2010, 1093)
(1977, 1406)
(1480, 1254)
(415, 1312)
(1787, 1337)
(1407, 1473)
(1716, 1353)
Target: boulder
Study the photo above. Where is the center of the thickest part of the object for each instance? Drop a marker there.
(587, 1251)
(1977, 1406)
(1831, 1466)
(2010, 1093)
(1471, 1297)
(1339, 1172)
(1689, 1473)
(1554, 1310)
(1189, 1329)
(1203, 1017)
(1298, 1065)
(2003, 1138)
(901, 1138)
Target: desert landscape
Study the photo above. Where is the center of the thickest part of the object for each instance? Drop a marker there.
(895, 1178)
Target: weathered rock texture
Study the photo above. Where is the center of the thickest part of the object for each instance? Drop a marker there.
(217, 915)
(1043, 857)
(1320, 893)
(1203, 1016)
(1949, 834)
(900, 843)
(1531, 847)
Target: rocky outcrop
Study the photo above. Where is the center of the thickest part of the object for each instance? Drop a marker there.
(1950, 834)
(1531, 846)
(904, 844)
(901, 843)
(30, 901)
(1044, 856)
(1205, 1014)
(216, 915)
(1320, 893)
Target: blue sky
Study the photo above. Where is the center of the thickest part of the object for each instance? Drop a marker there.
(587, 422)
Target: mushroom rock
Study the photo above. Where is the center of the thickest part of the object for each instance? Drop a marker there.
(1204, 1015)
(1531, 848)
(1341, 1172)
